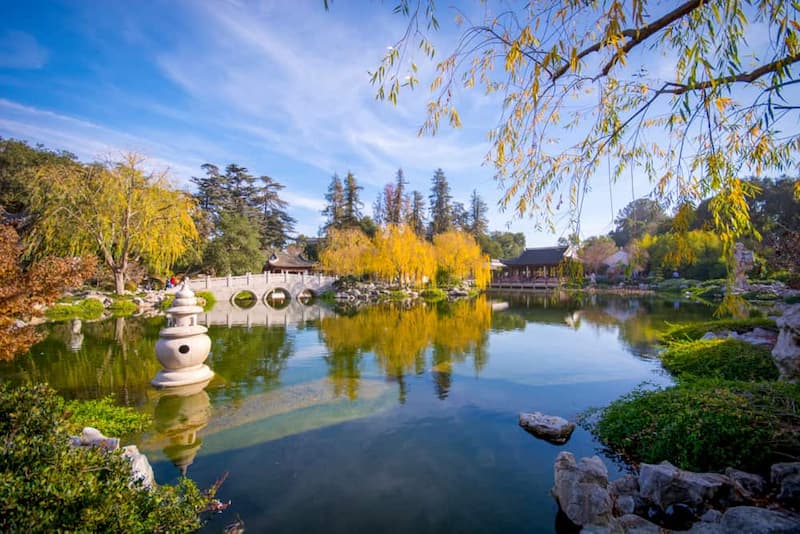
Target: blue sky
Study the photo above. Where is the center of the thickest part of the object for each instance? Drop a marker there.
(279, 87)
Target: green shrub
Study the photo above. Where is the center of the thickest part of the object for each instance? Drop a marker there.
(695, 331)
(328, 296)
(48, 486)
(792, 300)
(705, 425)
(729, 359)
(87, 310)
(167, 302)
(123, 308)
(433, 294)
(675, 285)
(207, 299)
(104, 415)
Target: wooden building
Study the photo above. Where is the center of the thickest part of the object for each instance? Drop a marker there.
(286, 262)
(533, 269)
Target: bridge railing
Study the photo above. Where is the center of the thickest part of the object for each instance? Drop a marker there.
(263, 280)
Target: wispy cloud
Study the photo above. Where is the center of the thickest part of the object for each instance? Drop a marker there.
(20, 50)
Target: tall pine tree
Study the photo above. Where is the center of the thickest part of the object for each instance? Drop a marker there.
(334, 210)
(351, 216)
(441, 212)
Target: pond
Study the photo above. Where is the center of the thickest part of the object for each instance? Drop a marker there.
(395, 418)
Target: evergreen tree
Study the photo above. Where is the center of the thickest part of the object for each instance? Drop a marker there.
(461, 217)
(352, 205)
(241, 188)
(236, 249)
(334, 211)
(395, 200)
(478, 223)
(275, 222)
(441, 209)
(416, 213)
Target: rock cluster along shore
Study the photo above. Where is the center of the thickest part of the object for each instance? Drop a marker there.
(363, 293)
(663, 496)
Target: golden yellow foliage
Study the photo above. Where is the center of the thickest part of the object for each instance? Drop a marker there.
(460, 256)
(114, 210)
(347, 252)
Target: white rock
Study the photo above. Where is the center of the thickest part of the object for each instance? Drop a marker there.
(547, 427)
(141, 470)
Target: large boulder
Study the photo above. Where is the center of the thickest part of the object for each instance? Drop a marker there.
(547, 427)
(751, 484)
(786, 477)
(141, 470)
(786, 352)
(91, 437)
(627, 524)
(625, 495)
(581, 489)
(665, 485)
(751, 519)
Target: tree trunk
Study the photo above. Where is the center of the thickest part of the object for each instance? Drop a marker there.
(119, 282)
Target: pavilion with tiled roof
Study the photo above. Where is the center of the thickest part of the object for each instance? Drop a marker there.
(285, 262)
(534, 264)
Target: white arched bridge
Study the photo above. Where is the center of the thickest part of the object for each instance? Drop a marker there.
(265, 286)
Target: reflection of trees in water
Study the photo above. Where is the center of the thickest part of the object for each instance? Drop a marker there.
(638, 321)
(244, 357)
(116, 357)
(398, 338)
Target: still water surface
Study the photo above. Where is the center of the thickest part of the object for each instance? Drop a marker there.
(391, 419)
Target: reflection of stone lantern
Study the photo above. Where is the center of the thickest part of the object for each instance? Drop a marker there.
(75, 336)
(179, 417)
(183, 346)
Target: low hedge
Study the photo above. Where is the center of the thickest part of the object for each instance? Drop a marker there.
(728, 359)
(86, 310)
(104, 415)
(705, 425)
(695, 331)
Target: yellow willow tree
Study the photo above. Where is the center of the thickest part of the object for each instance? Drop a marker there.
(115, 210)
(347, 252)
(458, 256)
(693, 94)
(400, 255)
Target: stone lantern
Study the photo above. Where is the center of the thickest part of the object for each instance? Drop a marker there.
(183, 345)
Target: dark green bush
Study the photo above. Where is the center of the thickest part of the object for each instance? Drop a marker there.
(729, 359)
(706, 425)
(123, 308)
(433, 294)
(104, 415)
(48, 486)
(695, 331)
(87, 310)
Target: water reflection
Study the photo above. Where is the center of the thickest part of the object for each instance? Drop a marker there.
(178, 417)
(246, 358)
(398, 338)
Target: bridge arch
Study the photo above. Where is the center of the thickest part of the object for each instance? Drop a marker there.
(277, 298)
(244, 299)
(306, 296)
